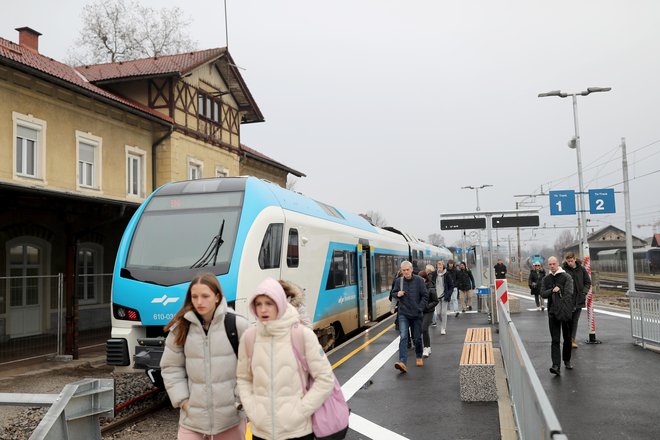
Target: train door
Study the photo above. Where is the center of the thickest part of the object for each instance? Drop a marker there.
(365, 264)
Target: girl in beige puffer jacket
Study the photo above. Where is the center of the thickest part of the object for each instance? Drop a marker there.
(277, 405)
(198, 365)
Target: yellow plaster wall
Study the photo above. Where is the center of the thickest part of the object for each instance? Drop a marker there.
(173, 157)
(65, 112)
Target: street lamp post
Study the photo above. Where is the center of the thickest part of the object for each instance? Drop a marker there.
(582, 221)
(476, 189)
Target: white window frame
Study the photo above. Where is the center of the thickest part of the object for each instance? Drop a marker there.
(97, 250)
(140, 155)
(221, 171)
(195, 168)
(43, 247)
(96, 143)
(39, 125)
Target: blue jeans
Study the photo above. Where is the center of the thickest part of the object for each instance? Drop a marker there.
(405, 323)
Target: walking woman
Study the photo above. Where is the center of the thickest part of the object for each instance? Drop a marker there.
(277, 404)
(445, 289)
(429, 311)
(199, 365)
(534, 282)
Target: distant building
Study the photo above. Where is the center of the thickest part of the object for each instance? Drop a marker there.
(81, 149)
(609, 237)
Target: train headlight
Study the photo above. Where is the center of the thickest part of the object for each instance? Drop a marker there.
(125, 313)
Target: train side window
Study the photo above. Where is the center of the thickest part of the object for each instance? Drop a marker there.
(271, 247)
(292, 249)
(337, 272)
(351, 267)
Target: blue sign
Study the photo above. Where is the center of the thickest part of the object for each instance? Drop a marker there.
(601, 201)
(458, 251)
(562, 202)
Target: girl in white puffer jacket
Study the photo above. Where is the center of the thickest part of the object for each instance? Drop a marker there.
(277, 405)
(199, 365)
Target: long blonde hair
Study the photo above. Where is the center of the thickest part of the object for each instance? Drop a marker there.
(179, 325)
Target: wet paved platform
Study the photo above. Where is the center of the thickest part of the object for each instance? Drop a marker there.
(612, 393)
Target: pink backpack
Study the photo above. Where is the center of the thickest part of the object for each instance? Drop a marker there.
(330, 421)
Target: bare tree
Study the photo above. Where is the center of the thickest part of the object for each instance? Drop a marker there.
(375, 218)
(436, 239)
(115, 30)
(564, 240)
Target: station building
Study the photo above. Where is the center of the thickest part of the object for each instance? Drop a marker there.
(80, 149)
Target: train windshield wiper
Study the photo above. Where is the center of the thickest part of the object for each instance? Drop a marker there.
(211, 252)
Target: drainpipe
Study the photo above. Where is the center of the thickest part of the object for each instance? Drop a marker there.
(153, 156)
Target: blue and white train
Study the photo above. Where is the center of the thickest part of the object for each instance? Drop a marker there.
(245, 229)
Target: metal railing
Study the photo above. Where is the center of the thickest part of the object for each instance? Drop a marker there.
(645, 318)
(33, 315)
(74, 413)
(535, 417)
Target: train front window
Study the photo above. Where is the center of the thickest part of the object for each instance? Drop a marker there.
(184, 232)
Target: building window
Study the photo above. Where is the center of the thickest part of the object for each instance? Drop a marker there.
(89, 277)
(135, 172)
(194, 169)
(24, 271)
(221, 171)
(89, 160)
(208, 107)
(30, 146)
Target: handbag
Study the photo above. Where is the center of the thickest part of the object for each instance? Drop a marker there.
(562, 306)
(330, 421)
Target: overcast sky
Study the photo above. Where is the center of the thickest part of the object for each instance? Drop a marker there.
(393, 106)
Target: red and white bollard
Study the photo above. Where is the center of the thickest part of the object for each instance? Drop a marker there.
(502, 291)
(590, 306)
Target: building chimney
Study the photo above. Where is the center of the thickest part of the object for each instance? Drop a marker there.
(28, 38)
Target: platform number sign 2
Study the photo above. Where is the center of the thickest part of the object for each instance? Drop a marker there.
(601, 201)
(562, 202)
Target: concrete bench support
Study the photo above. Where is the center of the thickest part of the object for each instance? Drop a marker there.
(514, 304)
(477, 367)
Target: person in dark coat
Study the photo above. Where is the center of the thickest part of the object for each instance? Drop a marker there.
(534, 282)
(412, 296)
(581, 286)
(429, 311)
(445, 288)
(500, 270)
(451, 273)
(465, 284)
(556, 284)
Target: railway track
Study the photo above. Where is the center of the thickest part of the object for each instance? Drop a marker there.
(121, 422)
(622, 285)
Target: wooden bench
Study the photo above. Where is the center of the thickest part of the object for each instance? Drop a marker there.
(477, 366)
(478, 334)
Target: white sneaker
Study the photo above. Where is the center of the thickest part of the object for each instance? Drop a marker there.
(429, 350)
(443, 332)
(426, 352)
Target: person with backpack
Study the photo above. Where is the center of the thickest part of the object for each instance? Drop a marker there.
(278, 405)
(199, 364)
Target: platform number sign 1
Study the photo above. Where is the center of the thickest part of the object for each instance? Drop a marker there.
(562, 202)
(601, 201)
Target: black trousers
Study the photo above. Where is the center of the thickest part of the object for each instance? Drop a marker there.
(557, 329)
